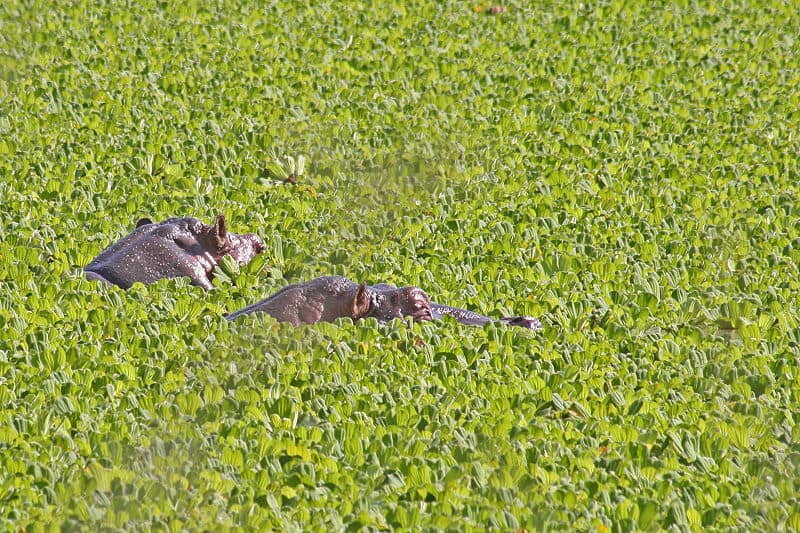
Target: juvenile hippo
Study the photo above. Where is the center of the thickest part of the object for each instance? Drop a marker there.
(331, 297)
(328, 298)
(173, 248)
(474, 319)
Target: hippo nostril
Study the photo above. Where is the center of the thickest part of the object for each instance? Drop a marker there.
(258, 244)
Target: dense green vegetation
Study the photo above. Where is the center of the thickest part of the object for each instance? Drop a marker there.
(627, 173)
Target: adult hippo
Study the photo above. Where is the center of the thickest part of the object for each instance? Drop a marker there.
(173, 248)
(328, 298)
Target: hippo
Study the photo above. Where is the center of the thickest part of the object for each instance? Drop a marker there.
(173, 248)
(472, 318)
(330, 297)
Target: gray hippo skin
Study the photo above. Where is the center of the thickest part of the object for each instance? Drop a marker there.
(471, 318)
(327, 298)
(173, 248)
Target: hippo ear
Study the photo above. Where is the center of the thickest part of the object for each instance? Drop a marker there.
(143, 222)
(221, 230)
(361, 301)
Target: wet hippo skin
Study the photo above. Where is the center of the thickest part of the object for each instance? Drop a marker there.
(173, 248)
(331, 297)
(471, 318)
(327, 298)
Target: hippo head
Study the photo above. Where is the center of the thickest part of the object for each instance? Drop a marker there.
(173, 248)
(386, 303)
(219, 242)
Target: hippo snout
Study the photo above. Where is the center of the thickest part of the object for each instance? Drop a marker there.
(245, 247)
(420, 305)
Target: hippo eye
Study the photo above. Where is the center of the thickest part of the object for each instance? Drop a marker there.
(185, 242)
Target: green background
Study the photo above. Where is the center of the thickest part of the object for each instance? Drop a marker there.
(627, 173)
